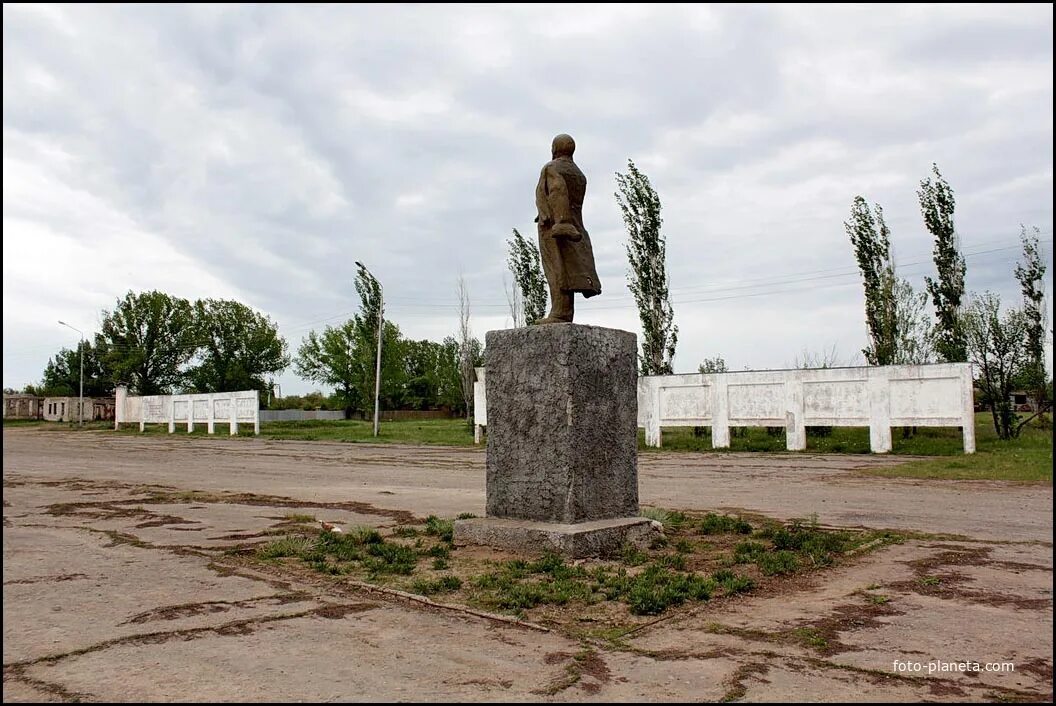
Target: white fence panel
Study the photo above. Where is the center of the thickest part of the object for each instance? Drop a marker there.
(877, 397)
(225, 407)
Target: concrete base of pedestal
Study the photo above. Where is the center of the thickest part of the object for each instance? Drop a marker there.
(575, 541)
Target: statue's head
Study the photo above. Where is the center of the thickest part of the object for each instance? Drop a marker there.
(563, 146)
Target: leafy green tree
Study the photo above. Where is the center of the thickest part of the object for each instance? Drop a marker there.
(146, 341)
(449, 374)
(62, 375)
(647, 254)
(997, 345)
(947, 291)
(914, 339)
(1030, 272)
(331, 358)
(239, 349)
(872, 249)
(343, 357)
(527, 268)
(713, 365)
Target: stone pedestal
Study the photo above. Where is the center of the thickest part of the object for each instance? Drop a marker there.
(562, 456)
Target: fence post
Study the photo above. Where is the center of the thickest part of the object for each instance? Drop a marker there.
(120, 395)
(795, 426)
(649, 401)
(172, 413)
(720, 412)
(879, 386)
(968, 402)
(211, 424)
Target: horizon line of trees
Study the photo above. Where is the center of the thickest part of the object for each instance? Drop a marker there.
(157, 343)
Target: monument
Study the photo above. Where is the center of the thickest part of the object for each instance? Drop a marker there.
(564, 244)
(562, 454)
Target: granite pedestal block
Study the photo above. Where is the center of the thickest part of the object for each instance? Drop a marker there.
(562, 414)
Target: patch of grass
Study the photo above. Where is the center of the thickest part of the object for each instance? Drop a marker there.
(446, 432)
(595, 592)
(290, 545)
(364, 535)
(297, 517)
(670, 519)
(631, 555)
(683, 546)
(443, 529)
(748, 551)
(346, 547)
(465, 516)
(656, 589)
(777, 563)
(672, 561)
(1025, 459)
(404, 532)
(811, 637)
(724, 524)
(877, 598)
(390, 558)
(929, 580)
(444, 584)
(731, 583)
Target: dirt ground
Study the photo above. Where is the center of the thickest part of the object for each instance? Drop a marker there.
(109, 597)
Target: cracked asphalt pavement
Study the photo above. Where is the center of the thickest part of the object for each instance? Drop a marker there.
(117, 586)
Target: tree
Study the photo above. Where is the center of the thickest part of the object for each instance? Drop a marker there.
(146, 341)
(62, 375)
(997, 344)
(813, 360)
(872, 248)
(367, 330)
(468, 348)
(937, 205)
(449, 375)
(647, 254)
(913, 330)
(240, 347)
(713, 365)
(371, 306)
(1030, 272)
(515, 300)
(527, 268)
(331, 359)
(346, 356)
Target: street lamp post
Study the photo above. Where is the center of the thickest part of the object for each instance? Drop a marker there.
(80, 401)
(377, 368)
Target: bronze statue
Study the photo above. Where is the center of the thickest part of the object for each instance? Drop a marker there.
(564, 245)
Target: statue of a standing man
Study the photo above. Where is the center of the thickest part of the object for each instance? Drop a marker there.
(564, 245)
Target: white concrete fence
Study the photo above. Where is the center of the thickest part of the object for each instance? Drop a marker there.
(210, 408)
(877, 397)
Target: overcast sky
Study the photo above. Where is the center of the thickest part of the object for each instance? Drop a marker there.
(257, 152)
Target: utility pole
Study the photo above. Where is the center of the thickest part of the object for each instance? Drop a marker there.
(80, 402)
(377, 368)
